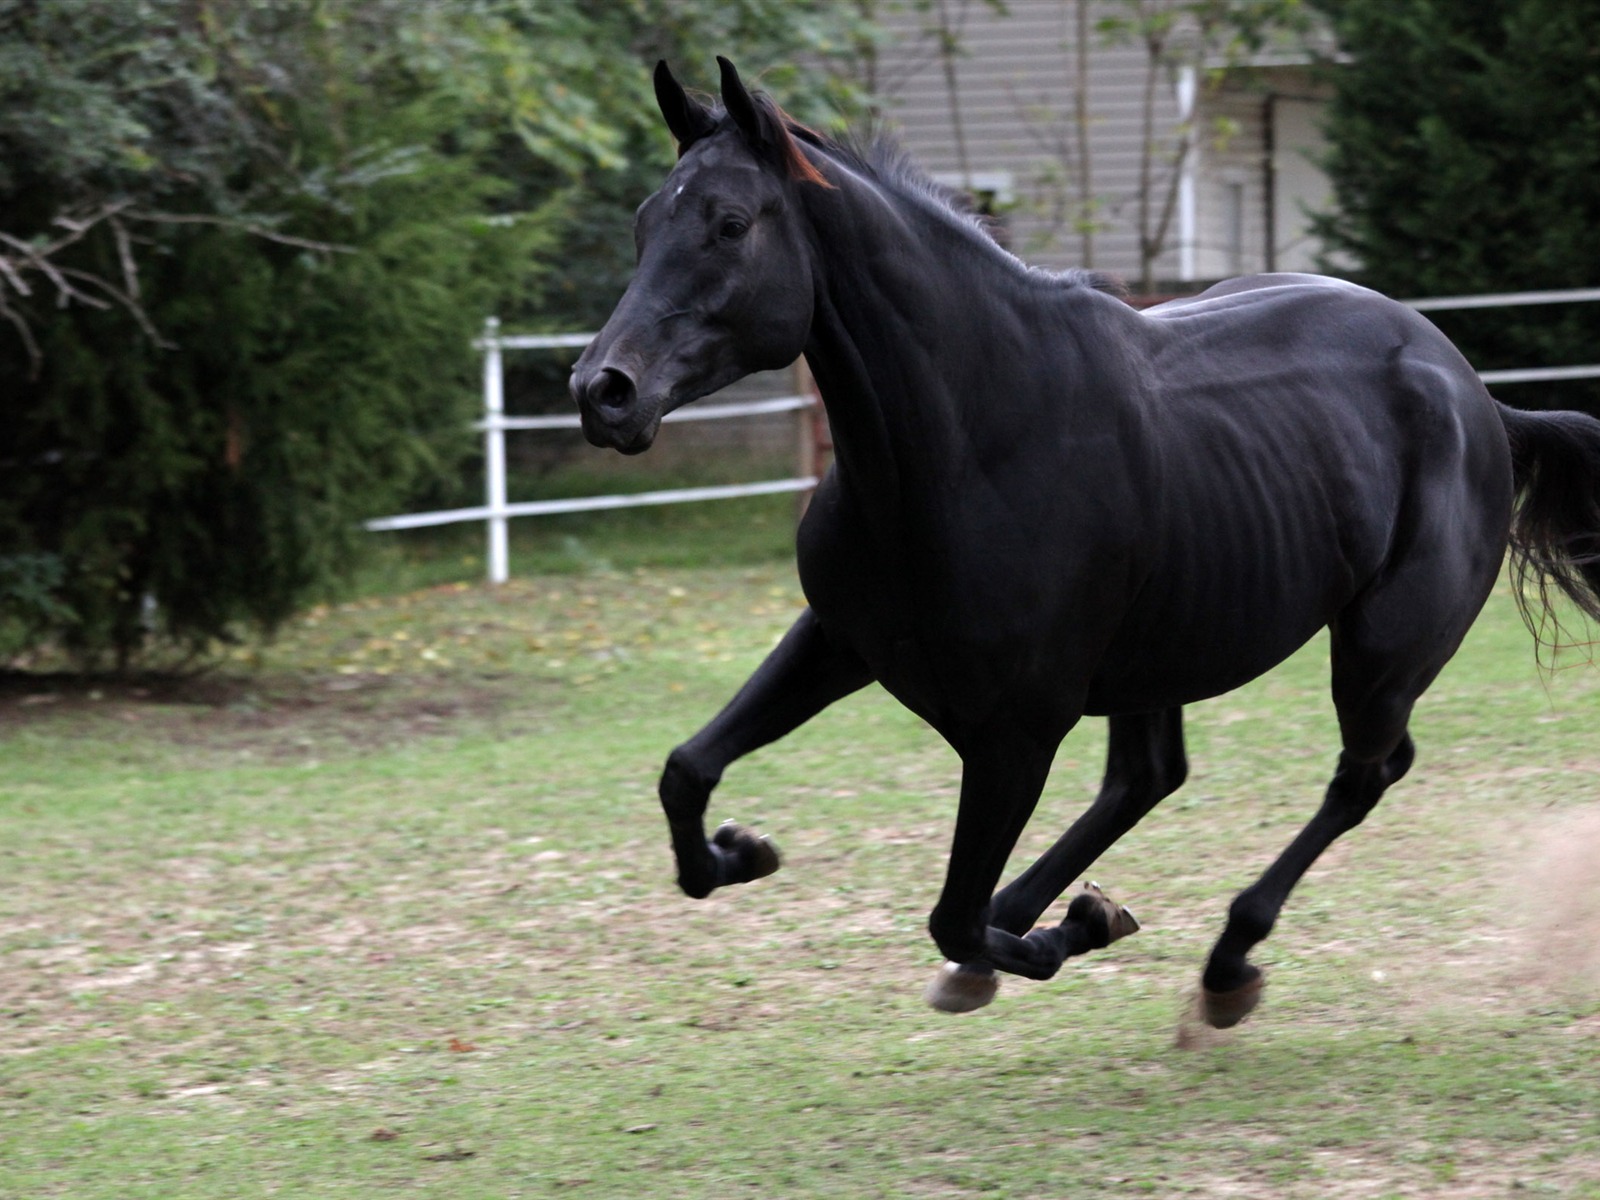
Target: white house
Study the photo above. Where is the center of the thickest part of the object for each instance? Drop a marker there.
(1000, 118)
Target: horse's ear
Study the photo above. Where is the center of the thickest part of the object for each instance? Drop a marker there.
(743, 109)
(766, 129)
(686, 117)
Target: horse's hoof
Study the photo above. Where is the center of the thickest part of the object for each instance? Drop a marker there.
(1092, 906)
(959, 989)
(753, 856)
(1224, 1010)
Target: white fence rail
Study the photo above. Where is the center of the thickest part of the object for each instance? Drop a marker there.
(497, 511)
(1518, 300)
(1505, 300)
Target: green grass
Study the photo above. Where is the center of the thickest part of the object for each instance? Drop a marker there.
(387, 906)
(752, 530)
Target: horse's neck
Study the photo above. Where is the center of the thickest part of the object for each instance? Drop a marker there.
(901, 334)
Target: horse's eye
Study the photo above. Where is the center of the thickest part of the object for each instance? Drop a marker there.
(733, 229)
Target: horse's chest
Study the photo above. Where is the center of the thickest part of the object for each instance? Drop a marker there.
(953, 636)
(912, 642)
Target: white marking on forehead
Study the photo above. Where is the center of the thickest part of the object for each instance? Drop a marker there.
(679, 192)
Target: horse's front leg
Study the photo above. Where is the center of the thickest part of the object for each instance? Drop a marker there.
(804, 674)
(1002, 776)
(1144, 762)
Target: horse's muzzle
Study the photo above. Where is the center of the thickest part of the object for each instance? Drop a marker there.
(612, 413)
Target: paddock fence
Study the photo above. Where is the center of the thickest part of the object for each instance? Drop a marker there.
(497, 510)
(1519, 300)
(811, 436)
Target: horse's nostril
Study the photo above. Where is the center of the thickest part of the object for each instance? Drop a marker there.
(611, 388)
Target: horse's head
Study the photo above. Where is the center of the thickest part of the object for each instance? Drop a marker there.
(723, 286)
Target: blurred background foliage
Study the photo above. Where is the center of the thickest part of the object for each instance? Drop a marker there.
(1465, 156)
(246, 248)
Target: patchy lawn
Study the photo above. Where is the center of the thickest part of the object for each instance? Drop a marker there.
(388, 905)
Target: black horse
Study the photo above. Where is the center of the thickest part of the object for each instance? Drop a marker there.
(1045, 504)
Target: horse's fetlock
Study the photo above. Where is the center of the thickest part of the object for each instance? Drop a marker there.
(960, 939)
(701, 873)
(1089, 911)
(696, 887)
(1251, 917)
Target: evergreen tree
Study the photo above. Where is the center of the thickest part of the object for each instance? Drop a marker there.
(244, 249)
(1465, 159)
(249, 246)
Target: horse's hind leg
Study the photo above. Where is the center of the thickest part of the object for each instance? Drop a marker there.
(1386, 649)
(1145, 762)
(804, 674)
(1231, 986)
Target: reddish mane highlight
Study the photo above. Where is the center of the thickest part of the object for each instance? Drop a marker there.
(787, 133)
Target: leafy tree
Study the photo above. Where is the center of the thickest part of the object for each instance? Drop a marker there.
(244, 248)
(1465, 159)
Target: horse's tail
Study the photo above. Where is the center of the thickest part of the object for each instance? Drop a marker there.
(1555, 531)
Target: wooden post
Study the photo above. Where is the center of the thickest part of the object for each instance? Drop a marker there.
(810, 423)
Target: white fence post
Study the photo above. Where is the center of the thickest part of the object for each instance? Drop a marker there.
(494, 452)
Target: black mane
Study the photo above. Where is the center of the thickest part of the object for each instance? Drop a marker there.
(883, 160)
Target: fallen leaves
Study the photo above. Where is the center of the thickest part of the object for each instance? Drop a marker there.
(579, 632)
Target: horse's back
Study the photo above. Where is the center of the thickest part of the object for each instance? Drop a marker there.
(1367, 381)
(1254, 286)
(1309, 433)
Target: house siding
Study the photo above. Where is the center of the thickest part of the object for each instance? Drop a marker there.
(1273, 153)
(1015, 78)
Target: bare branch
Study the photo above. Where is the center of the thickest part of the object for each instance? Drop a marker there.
(1169, 203)
(33, 259)
(250, 227)
(13, 278)
(135, 309)
(76, 228)
(35, 355)
(130, 269)
(26, 257)
(26, 248)
(79, 226)
(39, 254)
